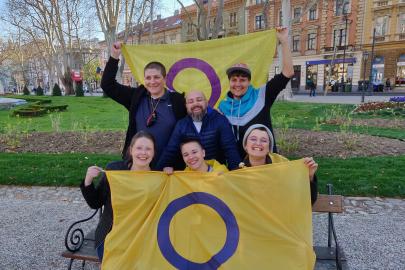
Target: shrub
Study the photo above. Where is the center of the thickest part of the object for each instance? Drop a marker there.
(40, 91)
(79, 90)
(56, 90)
(26, 92)
(29, 112)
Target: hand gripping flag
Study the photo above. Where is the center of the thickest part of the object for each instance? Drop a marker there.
(202, 65)
(254, 218)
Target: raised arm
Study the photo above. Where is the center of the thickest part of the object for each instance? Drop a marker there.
(118, 92)
(282, 36)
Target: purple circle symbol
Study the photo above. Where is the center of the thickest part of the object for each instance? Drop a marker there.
(204, 67)
(167, 248)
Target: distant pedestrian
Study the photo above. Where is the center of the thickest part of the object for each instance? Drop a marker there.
(311, 85)
(388, 84)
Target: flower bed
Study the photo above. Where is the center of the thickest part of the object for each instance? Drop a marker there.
(397, 99)
(390, 108)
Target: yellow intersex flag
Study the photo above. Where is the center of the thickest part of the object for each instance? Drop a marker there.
(202, 65)
(253, 218)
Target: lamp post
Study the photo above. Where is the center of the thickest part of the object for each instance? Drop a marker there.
(344, 51)
(365, 57)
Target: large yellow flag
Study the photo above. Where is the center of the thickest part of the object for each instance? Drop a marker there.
(202, 65)
(254, 218)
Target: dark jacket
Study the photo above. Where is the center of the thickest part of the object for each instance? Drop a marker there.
(262, 114)
(99, 196)
(130, 97)
(215, 136)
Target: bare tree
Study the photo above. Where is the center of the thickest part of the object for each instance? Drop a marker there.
(203, 26)
(110, 12)
(54, 26)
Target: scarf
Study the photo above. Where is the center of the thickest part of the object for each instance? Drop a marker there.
(232, 107)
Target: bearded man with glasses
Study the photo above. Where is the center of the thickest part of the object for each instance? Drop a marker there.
(207, 126)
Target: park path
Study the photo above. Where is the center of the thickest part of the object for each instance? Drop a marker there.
(34, 221)
(340, 99)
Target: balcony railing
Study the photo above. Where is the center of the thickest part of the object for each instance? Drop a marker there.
(349, 47)
(402, 35)
(381, 3)
(380, 39)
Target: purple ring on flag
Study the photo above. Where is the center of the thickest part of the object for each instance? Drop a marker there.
(232, 236)
(204, 67)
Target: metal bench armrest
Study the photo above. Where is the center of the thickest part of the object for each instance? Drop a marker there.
(74, 238)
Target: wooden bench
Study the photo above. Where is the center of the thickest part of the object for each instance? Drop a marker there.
(81, 247)
(330, 204)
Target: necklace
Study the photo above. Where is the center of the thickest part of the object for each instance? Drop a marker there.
(152, 105)
(152, 117)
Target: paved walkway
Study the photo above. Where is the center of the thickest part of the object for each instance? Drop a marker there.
(34, 221)
(339, 99)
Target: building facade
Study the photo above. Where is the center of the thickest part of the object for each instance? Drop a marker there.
(325, 40)
(233, 20)
(388, 20)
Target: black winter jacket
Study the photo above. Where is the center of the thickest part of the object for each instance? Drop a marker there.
(99, 196)
(130, 98)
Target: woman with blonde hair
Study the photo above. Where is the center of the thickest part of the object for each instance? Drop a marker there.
(140, 154)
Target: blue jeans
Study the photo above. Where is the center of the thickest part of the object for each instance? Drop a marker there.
(100, 251)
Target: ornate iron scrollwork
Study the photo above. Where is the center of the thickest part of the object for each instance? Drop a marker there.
(74, 238)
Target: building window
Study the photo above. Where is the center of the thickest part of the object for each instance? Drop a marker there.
(312, 13)
(378, 70)
(342, 7)
(381, 26)
(259, 22)
(311, 45)
(296, 44)
(339, 37)
(401, 22)
(232, 19)
(297, 14)
(400, 79)
(259, 2)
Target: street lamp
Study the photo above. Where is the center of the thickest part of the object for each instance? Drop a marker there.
(365, 57)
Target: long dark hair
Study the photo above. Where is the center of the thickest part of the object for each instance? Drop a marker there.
(139, 134)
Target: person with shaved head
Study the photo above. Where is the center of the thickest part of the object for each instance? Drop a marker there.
(206, 125)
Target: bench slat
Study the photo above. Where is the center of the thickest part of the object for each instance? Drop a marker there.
(87, 252)
(328, 203)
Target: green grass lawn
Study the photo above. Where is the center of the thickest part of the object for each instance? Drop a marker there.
(48, 169)
(373, 176)
(83, 113)
(364, 176)
(304, 116)
(97, 113)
